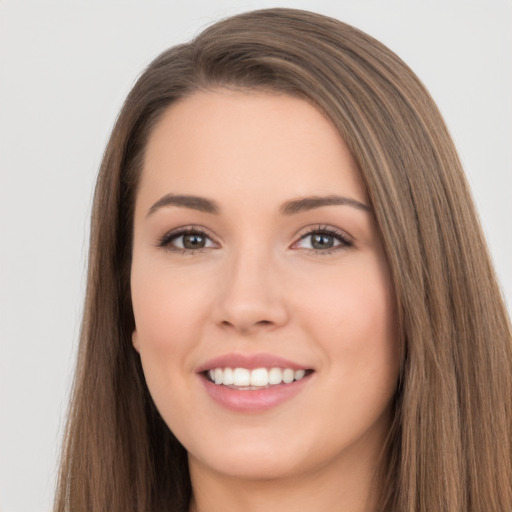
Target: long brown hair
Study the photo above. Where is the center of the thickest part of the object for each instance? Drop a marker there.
(450, 444)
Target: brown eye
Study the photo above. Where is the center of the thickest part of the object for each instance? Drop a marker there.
(190, 240)
(322, 241)
(194, 241)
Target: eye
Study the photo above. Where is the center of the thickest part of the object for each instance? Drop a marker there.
(323, 239)
(187, 240)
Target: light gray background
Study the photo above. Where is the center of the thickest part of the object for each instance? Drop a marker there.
(65, 68)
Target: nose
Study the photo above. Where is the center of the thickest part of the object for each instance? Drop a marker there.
(251, 296)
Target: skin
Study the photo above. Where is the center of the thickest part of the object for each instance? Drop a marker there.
(260, 285)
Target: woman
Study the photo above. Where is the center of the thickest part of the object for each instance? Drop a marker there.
(289, 296)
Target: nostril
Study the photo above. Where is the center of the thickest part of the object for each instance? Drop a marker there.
(259, 323)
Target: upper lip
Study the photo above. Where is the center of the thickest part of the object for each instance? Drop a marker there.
(250, 361)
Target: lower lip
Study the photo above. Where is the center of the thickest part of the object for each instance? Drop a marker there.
(257, 400)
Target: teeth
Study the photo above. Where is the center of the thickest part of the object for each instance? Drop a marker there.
(241, 377)
(228, 378)
(258, 378)
(299, 374)
(275, 376)
(288, 375)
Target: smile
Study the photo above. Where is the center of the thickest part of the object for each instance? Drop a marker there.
(253, 383)
(253, 379)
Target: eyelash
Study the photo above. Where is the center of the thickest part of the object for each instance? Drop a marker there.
(168, 238)
(345, 242)
(165, 241)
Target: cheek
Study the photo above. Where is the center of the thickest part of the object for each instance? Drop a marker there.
(355, 324)
(167, 303)
(352, 316)
(354, 301)
(168, 309)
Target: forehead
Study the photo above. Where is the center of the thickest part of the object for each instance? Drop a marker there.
(250, 144)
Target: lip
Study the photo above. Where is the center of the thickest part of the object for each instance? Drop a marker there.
(251, 362)
(255, 400)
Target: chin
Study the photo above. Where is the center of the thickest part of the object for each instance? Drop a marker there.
(252, 468)
(252, 457)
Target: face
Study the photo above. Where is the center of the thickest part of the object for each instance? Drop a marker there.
(262, 298)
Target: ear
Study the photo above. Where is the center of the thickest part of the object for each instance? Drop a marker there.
(135, 340)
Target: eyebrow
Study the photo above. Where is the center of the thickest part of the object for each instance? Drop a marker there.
(291, 207)
(185, 201)
(310, 203)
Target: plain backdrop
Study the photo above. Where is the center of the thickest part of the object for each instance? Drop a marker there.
(65, 68)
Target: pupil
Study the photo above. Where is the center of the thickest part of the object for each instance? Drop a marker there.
(193, 241)
(322, 241)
